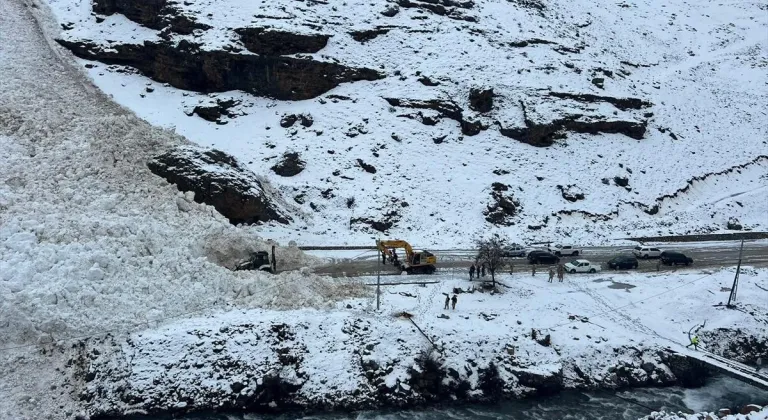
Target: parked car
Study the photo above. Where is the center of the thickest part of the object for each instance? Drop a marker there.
(646, 252)
(542, 257)
(582, 266)
(565, 250)
(675, 258)
(621, 262)
(513, 250)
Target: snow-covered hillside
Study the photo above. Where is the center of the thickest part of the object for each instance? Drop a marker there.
(695, 74)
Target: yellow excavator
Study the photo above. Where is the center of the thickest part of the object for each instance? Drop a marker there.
(415, 262)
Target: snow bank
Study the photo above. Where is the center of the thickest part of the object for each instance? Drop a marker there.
(759, 414)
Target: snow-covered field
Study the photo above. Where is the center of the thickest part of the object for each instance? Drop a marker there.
(335, 358)
(702, 66)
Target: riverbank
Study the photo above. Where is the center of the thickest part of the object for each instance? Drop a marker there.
(603, 331)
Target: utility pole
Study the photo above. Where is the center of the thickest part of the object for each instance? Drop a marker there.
(732, 297)
(378, 277)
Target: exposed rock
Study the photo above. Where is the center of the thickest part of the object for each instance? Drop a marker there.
(621, 103)
(527, 42)
(571, 193)
(271, 42)
(621, 181)
(290, 165)
(733, 224)
(599, 82)
(544, 135)
(447, 109)
(503, 207)
(481, 100)
(155, 14)
(234, 191)
(214, 112)
(447, 8)
(390, 11)
(750, 408)
(366, 167)
(378, 225)
(288, 120)
(689, 372)
(185, 66)
(426, 81)
(369, 34)
(736, 344)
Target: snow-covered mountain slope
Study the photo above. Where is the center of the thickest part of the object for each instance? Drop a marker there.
(559, 71)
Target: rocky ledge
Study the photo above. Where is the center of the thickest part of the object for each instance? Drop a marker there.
(339, 361)
(185, 66)
(219, 180)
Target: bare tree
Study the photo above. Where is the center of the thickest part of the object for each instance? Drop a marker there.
(491, 253)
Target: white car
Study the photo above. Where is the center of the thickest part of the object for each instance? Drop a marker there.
(582, 266)
(646, 252)
(560, 250)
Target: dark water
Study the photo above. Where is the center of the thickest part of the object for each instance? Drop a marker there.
(720, 392)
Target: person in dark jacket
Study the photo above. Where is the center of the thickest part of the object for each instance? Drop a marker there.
(453, 301)
(447, 301)
(472, 272)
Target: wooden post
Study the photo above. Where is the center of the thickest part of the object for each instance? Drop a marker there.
(732, 297)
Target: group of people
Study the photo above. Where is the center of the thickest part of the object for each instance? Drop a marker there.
(390, 255)
(451, 300)
(479, 270)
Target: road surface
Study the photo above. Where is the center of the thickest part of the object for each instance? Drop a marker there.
(704, 254)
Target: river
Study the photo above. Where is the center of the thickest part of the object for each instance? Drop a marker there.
(720, 392)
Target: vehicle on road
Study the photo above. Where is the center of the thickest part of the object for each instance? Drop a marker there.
(513, 250)
(416, 261)
(582, 266)
(565, 250)
(622, 262)
(675, 258)
(542, 257)
(646, 252)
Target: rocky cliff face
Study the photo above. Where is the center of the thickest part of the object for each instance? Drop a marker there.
(186, 66)
(219, 180)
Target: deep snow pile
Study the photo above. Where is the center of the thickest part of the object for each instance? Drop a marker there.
(695, 74)
(592, 331)
(90, 240)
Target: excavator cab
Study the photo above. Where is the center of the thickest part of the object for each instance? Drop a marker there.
(256, 261)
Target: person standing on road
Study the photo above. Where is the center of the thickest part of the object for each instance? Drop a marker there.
(551, 274)
(658, 264)
(533, 269)
(560, 272)
(447, 301)
(471, 272)
(453, 301)
(511, 269)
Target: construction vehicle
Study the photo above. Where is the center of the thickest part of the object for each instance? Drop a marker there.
(256, 261)
(415, 262)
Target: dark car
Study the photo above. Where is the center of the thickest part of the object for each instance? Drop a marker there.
(675, 258)
(542, 257)
(621, 262)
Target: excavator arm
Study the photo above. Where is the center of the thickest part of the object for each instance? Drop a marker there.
(384, 245)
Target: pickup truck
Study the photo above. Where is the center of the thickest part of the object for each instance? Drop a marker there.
(560, 250)
(582, 266)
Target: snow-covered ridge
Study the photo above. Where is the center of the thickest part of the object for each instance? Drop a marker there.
(687, 80)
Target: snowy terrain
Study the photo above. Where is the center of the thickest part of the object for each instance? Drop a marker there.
(90, 240)
(702, 66)
(606, 330)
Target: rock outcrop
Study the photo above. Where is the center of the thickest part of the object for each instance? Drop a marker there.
(186, 66)
(213, 112)
(446, 109)
(272, 42)
(219, 180)
(155, 14)
(481, 100)
(545, 134)
(503, 207)
(290, 165)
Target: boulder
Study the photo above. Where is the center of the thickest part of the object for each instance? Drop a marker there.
(213, 112)
(290, 165)
(481, 100)
(366, 167)
(503, 207)
(155, 14)
(186, 66)
(219, 180)
(750, 408)
(733, 224)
